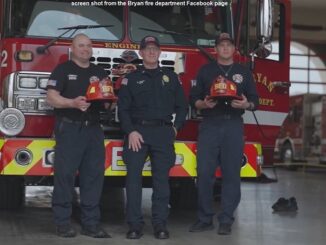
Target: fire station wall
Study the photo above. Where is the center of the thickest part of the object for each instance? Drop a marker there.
(309, 24)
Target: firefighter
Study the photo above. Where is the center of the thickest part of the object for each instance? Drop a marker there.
(79, 141)
(147, 99)
(220, 139)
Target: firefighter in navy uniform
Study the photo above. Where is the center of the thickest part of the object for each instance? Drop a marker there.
(79, 141)
(220, 139)
(147, 100)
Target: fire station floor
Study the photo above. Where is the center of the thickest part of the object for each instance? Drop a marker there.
(255, 223)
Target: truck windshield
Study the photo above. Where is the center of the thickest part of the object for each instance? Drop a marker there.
(201, 24)
(38, 18)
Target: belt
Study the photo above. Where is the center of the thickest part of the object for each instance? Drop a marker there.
(77, 122)
(225, 116)
(152, 122)
(228, 116)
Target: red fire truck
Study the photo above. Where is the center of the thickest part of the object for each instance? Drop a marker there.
(36, 36)
(303, 134)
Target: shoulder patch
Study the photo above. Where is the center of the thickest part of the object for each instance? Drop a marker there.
(124, 81)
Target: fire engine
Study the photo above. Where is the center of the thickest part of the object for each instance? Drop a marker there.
(303, 133)
(36, 36)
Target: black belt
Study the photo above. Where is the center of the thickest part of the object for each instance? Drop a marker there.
(77, 122)
(228, 116)
(224, 116)
(152, 122)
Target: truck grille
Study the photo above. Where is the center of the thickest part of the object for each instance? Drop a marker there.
(110, 59)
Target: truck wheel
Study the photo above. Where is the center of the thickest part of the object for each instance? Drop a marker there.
(12, 192)
(287, 157)
(183, 194)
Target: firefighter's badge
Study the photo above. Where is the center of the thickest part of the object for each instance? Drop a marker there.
(165, 79)
(237, 78)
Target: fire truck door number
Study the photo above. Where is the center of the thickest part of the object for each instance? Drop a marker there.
(4, 56)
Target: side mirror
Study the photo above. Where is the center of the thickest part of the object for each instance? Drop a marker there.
(264, 28)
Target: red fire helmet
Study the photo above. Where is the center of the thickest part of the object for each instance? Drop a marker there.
(224, 89)
(101, 91)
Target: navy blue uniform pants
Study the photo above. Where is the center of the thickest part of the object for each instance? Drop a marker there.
(220, 143)
(79, 149)
(159, 147)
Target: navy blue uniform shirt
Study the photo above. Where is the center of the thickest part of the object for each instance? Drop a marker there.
(151, 94)
(240, 75)
(72, 81)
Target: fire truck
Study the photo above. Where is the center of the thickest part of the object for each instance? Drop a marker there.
(36, 36)
(303, 134)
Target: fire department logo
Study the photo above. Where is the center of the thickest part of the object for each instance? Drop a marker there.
(238, 78)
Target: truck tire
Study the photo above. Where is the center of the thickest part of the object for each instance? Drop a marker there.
(12, 192)
(183, 194)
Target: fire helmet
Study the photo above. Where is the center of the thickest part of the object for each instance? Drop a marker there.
(223, 88)
(101, 91)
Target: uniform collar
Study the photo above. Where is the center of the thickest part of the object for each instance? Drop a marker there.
(143, 70)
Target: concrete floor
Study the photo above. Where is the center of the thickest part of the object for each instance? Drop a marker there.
(255, 223)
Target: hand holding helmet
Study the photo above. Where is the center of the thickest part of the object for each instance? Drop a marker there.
(223, 88)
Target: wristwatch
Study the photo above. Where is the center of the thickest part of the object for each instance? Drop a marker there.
(251, 106)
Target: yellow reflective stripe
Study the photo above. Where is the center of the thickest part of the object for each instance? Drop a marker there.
(106, 142)
(259, 149)
(189, 162)
(248, 171)
(109, 172)
(37, 148)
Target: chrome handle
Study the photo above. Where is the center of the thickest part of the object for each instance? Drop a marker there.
(281, 84)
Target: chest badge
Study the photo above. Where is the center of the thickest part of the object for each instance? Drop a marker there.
(165, 79)
(238, 78)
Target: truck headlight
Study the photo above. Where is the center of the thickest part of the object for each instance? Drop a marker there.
(25, 103)
(42, 105)
(43, 82)
(12, 121)
(27, 82)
